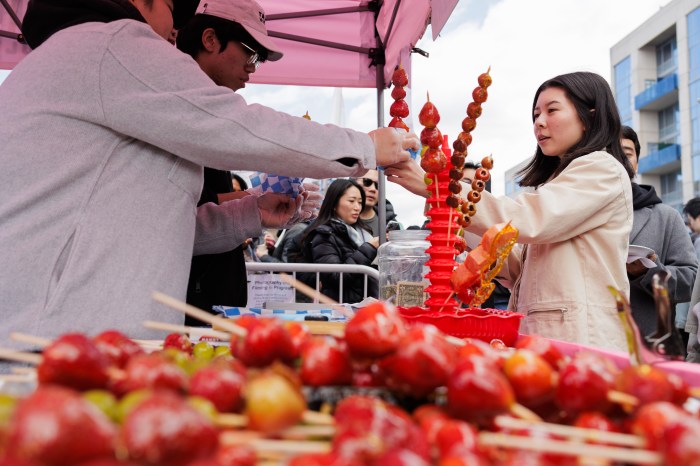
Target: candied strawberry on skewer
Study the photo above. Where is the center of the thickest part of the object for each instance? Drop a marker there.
(375, 331)
(533, 380)
(165, 429)
(422, 362)
(55, 426)
(399, 108)
(73, 360)
(117, 347)
(477, 391)
(325, 361)
(369, 428)
(220, 382)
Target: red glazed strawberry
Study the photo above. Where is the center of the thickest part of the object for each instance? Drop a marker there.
(429, 115)
(433, 161)
(399, 109)
(299, 334)
(398, 93)
(73, 360)
(152, 371)
(165, 429)
(236, 455)
(399, 78)
(646, 383)
(219, 383)
(179, 342)
(375, 331)
(456, 439)
(477, 389)
(55, 426)
(584, 383)
(533, 380)
(117, 347)
(325, 361)
(422, 362)
(266, 342)
(431, 137)
(397, 122)
(543, 348)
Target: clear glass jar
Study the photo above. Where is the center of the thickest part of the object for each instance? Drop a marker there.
(402, 267)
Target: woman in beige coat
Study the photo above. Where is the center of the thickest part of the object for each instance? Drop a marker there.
(574, 226)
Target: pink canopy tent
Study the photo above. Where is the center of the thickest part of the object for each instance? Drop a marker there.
(338, 43)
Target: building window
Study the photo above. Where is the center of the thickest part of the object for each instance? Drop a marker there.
(666, 58)
(671, 189)
(668, 125)
(623, 90)
(694, 88)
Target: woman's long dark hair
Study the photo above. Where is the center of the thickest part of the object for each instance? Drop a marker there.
(595, 106)
(333, 194)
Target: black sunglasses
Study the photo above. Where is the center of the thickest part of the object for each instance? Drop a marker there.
(367, 182)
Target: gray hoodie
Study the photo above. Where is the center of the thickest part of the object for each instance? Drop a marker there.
(105, 129)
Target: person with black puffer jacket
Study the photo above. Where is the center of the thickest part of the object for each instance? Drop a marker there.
(336, 238)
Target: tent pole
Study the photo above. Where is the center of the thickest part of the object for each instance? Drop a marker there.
(380, 176)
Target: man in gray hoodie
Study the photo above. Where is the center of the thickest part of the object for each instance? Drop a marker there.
(102, 165)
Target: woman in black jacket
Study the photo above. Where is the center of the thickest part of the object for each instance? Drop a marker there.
(336, 238)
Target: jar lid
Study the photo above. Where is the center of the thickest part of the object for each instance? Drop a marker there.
(407, 235)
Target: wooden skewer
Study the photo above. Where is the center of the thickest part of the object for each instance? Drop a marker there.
(31, 339)
(287, 447)
(622, 398)
(521, 412)
(313, 418)
(24, 370)
(19, 356)
(522, 442)
(306, 290)
(184, 329)
(17, 378)
(199, 314)
(615, 438)
(317, 418)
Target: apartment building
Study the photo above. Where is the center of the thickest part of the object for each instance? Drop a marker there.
(656, 82)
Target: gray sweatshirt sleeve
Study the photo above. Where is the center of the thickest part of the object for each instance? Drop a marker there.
(223, 227)
(167, 101)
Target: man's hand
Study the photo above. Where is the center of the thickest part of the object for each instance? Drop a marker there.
(276, 210)
(391, 145)
(409, 175)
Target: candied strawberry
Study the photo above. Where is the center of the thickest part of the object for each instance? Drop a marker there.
(73, 360)
(165, 429)
(117, 347)
(375, 331)
(55, 426)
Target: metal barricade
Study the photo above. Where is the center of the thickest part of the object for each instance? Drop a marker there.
(318, 269)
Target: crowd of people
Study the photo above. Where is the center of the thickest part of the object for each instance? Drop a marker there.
(131, 142)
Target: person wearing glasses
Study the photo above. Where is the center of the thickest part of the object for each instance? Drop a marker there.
(115, 125)
(217, 37)
(369, 217)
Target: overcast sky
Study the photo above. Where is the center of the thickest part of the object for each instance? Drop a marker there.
(524, 42)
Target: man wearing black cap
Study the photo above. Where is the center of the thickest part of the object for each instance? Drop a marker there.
(114, 125)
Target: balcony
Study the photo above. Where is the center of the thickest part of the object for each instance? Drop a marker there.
(661, 95)
(663, 160)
